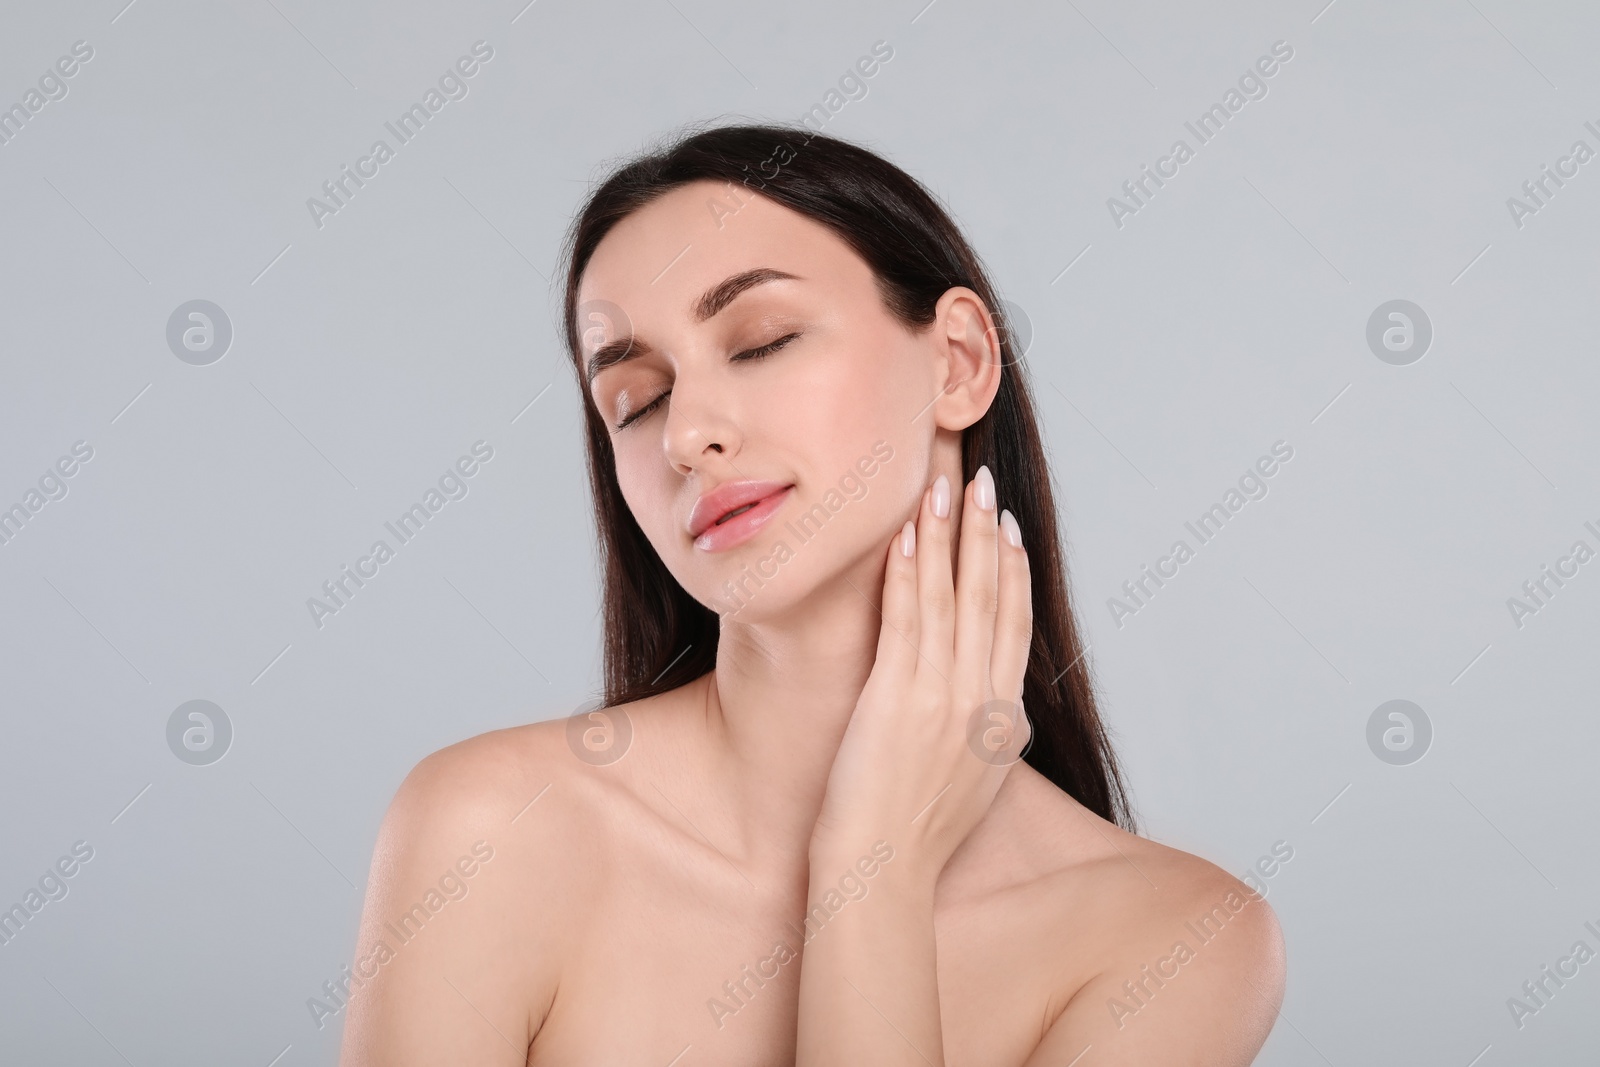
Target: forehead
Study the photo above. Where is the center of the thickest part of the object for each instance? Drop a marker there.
(657, 262)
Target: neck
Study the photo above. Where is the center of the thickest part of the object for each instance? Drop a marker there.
(780, 698)
(779, 701)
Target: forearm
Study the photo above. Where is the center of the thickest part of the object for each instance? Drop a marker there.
(868, 985)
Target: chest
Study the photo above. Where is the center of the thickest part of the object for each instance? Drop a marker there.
(680, 976)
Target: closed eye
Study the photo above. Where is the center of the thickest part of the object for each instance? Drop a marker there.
(642, 412)
(745, 356)
(765, 350)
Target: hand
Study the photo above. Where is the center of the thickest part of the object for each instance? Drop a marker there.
(918, 765)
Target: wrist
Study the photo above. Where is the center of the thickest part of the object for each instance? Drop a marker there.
(838, 849)
(852, 867)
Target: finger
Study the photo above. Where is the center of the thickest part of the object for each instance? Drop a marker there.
(1013, 628)
(936, 596)
(897, 637)
(977, 582)
(1022, 733)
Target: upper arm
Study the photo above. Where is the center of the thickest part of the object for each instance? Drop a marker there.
(1198, 987)
(454, 961)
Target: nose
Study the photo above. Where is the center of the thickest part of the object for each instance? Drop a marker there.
(700, 422)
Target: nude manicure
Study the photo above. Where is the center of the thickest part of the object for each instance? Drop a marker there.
(1009, 527)
(941, 497)
(908, 539)
(983, 489)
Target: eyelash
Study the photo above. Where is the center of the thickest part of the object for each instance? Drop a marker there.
(743, 357)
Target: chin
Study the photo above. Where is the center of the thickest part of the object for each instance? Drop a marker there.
(762, 583)
(754, 586)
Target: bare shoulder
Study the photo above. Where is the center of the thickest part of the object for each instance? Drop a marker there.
(556, 777)
(1174, 959)
(471, 781)
(534, 792)
(485, 865)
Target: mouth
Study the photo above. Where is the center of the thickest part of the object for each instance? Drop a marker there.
(738, 522)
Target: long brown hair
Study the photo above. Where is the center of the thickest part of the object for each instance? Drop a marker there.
(658, 637)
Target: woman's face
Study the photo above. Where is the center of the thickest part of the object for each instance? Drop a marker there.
(793, 387)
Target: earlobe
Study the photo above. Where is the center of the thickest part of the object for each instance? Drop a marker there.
(968, 346)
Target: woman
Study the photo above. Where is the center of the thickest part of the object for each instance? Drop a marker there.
(798, 830)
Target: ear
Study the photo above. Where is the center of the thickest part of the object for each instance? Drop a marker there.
(967, 352)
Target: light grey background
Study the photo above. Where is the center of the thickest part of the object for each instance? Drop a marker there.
(1229, 313)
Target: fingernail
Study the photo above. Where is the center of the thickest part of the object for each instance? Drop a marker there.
(1008, 526)
(908, 539)
(941, 497)
(983, 490)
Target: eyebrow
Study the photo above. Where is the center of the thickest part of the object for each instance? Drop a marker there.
(711, 302)
(725, 292)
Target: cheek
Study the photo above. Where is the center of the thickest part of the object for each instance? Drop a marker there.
(646, 488)
(850, 396)
(838, 411)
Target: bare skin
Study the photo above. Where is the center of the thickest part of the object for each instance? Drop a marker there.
(649, 909)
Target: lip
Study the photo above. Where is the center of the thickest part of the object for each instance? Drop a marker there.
(765, 499)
